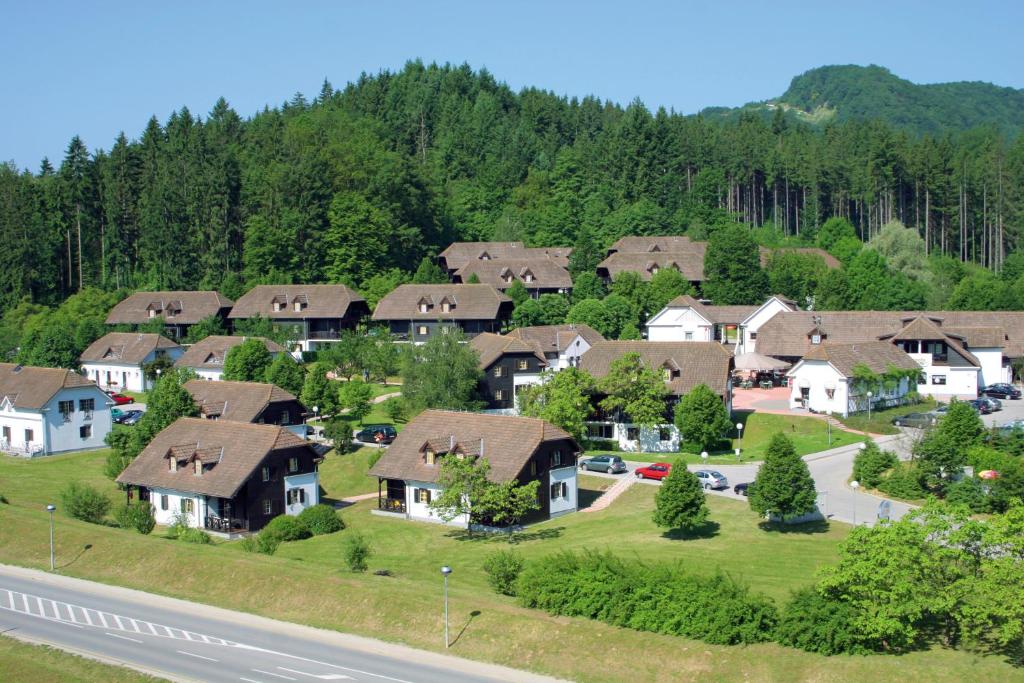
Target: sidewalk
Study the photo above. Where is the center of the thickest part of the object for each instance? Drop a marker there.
(609, 496)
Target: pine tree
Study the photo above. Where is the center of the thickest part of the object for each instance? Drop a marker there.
(679, 502)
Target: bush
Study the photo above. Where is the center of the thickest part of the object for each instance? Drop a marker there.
(968, 491)
(871, 464)
(659, 599)
(260, 543)
(309, 356)
(193, 535)
(813, 622)
(3, 500)
(356, 552)
(321, 519)
(396, 410)
(84, 502)
(503, 568)
(178, 526)
(903, 482)
(137, 515)
(287, 528)
(339, 431)
(372, 459)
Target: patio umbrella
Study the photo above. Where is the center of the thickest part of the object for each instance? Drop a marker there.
(988, 474)
(756, 361)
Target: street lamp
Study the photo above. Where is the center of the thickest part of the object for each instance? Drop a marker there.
(445, 571)
(739, 446)
(828, 423)
(704, 457)
(869, 405)
(51, 508)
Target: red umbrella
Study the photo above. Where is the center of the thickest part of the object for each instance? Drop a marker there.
(988, 474)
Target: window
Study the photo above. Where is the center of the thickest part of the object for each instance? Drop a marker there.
(556, 458)
(922, 378)
(663, 435)
(298, 306)
(163, 502)
(446, 307)
(87, 406)
(601, 431)
(286, 418)
(293, 464)
(689, 336)
(30, 436)
(632, 433)
(559, 490)
(198, 467)
(499, 371)
(85, 432)
(296, 496)
(424, 308)
(830, 393)
(429, 457)
(187, 506)
(66, 408)
(522, 364)
(7, 435)
(423, 496)
(938, 379)
(528, 277)
(499, 394)
(152, 313)
(815, 338)
(268, 506)
(172, 464)
(265, 471)
(753, 336)
(422, 330)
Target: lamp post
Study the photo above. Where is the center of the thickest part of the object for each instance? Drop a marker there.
(445, 571)
(855, 485)
(739, 446)
(869, 405)
(828, 423)
(51, 508)
(704, 457)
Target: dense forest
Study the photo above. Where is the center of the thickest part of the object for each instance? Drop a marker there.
(365, 181)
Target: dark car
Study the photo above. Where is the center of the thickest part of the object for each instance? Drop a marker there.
(994, 404)
(612, 464)
(918, 420)
(130, 417)
(1002, 390)
(981, 406)
(387, 434)
(743, 489)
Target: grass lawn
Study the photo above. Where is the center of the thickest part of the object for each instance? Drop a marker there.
(881, 420)
(345, 475)
(306, 582)
(41, 664)
(137, 396)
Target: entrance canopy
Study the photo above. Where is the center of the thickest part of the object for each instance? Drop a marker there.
(757, 361)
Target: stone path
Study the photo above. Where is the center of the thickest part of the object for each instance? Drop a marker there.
(609, 496)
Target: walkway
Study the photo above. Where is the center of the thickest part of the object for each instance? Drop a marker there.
(776, 402)
(609, 496)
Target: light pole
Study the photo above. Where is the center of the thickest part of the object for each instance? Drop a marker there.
(51, 508)
(869, 405)
(828, 422)
(446, 570)
(704, 457)
(739, 446)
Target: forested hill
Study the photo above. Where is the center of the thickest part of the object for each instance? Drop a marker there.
(872, 92)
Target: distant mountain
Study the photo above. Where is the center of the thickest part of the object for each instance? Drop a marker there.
(873, 92)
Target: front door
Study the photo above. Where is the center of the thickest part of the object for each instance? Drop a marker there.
(124, 381)
(805, 395)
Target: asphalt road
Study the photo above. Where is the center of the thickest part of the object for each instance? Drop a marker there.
(184, 641)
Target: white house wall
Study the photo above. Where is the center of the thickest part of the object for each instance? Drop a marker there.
(64, 436)
(759, 317)
(310, 483)
(992, 369)
(174, 498)
(960, 382)
(16, 421)
(126, 376)
(422, 511)
(673, 324)
(569, 503)
(575, 349)
(818, 376)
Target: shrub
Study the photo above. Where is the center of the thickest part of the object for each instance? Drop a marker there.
(374, 457)
(339, 431)
(813, 622)
(260, 543)
(871, 464)
(503, 568)
(84, 502)
(903, 482)
(3, 500)
(137, 515)
(679, 502)
(968, 491)
(178, 525)
(321, 519)
(356, 551)
(248, 544)
(193, 535)
(395, 409)
(287, 528)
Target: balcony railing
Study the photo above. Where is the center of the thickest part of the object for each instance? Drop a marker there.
(324, 334)
(391, 504)
(28, 450)
(225, 524)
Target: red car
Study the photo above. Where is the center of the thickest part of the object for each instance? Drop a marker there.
(658, 470)
(120, 399)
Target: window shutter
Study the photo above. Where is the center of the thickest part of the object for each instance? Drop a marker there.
(428, 495)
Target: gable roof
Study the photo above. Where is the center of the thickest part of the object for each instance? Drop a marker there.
(191, 306)
(209, 353)
(662, 243)
(472, 302)
(878, 356)
(30, 388)
(506, 442)
(125, 348)
(318, 301)
(235, 401)
(707, 363)
(546, 271)
(491, 347)
(712, 313)
(556, 338)
(459, 254)
(235, 449)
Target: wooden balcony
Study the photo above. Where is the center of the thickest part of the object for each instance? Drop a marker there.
(225, 525)
(391, 504)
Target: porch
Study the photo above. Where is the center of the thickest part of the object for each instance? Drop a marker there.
(391, 497)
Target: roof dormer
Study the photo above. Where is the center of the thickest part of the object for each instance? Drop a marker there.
(155, 308)
(654, 248)
(300, 303)
(447, 304)
(173, 308)
(425, 305)
(279, 303)
(507, 275)
(527, 275)
(484, 256)
(652, 267)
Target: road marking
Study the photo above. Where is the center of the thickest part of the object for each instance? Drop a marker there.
(193, 654)
(115, 635)
(268, 673)
(323, 677)
(242, 646)
(248, 680)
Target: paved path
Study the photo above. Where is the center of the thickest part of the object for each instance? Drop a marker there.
(609, 496)
(185, 641)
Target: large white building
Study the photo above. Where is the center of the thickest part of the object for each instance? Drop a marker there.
(50, 410)
(117, 361)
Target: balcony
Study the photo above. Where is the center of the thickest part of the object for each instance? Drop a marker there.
(391, 505)
(26, 451)
(324, 334)
(225, 525)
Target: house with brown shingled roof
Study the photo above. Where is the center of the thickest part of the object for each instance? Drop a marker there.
(686, 318)
(521, 449)
(684, 365)
(224, 476)
(539, 275)
(50, 410)
(414, 313)
(179, 310)
(206, 356)
(255, 402)
(460, 254)
(116, 361)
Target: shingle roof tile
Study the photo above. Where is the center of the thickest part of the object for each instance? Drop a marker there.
(129, 348)
(189, 307)
(706, 363)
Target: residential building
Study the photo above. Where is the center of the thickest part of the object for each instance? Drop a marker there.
(117, 361)
(539, 275)
(508, 363)
(688, 319)
(206, 357)
(460, 254)
(750, 325)
(178, 309)
(50, 410)
(224, 476)
(521, 449)
(313, 315)
(562, 345)
(253, 402)
(684, 365)
(416, 312)
(825, 380)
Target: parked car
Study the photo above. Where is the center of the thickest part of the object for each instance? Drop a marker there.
(369, 434)
(994, 404)
(120, 399)
(918, 420)
(132, 417)
(981, 406)
(116, 414)
(1015, 426)
(612, 464)
(743, 489)
(1002, 390)
(710, 479)
(658, 470)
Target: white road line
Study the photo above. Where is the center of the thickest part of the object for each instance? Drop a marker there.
(267, 673)
(103, 620)
(116, 635)
(39, 601)
(242, 646)
(193, 654)
(24, 602)
(323, 677)
(248, 680)
(120, 626)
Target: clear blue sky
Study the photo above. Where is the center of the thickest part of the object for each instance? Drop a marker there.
(96, 68)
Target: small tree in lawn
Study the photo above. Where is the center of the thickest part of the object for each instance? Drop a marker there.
(506, 503)
(634, 389)
(339, 431)
(463, 481)
(679, 503)
(702, 418)
(356, 396)
(286, 373)
(247, 362)
(562, 398)
(396, 410)
(783, 486)
(319, 391)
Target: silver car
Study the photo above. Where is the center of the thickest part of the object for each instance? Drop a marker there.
(612, 464)
(711, 479)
